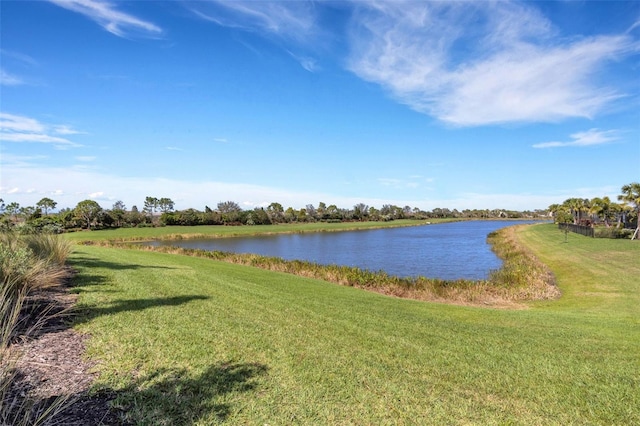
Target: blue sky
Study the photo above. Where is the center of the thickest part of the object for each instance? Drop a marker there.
(513, 105)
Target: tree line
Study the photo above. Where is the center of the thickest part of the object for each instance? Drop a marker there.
(601, 211)
(88, 214)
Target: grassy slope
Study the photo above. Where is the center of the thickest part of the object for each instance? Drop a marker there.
(201, 341)
(168, 232)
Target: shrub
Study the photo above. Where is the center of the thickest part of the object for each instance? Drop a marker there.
(612, 232)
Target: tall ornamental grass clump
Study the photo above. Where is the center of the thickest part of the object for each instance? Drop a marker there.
(27, 264)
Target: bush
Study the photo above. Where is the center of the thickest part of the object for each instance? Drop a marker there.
(612, 232)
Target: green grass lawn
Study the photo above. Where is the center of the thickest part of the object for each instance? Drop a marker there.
(185, 340)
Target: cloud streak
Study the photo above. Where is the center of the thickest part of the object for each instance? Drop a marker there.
(293, 20)
(17, 128)
(7, 79)
(107, 16)
(580, 139)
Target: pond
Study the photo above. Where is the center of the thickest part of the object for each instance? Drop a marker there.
(448, 251)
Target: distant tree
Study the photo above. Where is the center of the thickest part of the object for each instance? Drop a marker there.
(312, 214)
(302, 215)
(134, 217)
(258, 217)
(601, 208)
(118, 213)
(2, 206)
(321, 211)
(290, 215)
(573, 205)
(333, 212)
(165, 205)
(46, 204)
(560, 213)
(87, 211)
(230, 211)
(228, 207)
(374, 214)
(30, 213)
(631, 196)
(275, 211)
(13, 209)
(119, 205)
(150, 205)
(360, 211)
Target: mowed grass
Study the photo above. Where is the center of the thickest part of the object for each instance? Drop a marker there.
(185, 340)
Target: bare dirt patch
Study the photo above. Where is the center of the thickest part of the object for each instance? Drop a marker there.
(51, 365)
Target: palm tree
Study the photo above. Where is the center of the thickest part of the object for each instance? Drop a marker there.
(631, 196)
(601, 208)
(560, 213)
(573, 205)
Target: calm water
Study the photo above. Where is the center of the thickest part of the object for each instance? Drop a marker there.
(449, 251)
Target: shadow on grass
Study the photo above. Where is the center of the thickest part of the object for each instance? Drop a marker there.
(87, 313)
(85, 276)
(94, 262)
(177, 397)
(85, 271)
(168, 396)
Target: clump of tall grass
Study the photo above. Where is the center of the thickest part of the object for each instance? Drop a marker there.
(27, 263)
(522, 276)
(49, 247)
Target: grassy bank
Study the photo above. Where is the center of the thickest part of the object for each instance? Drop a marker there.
(186, 340)
(219, 231)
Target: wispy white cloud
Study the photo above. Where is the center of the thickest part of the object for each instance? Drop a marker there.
(292, 20)
(7, 79)
(17, 128)
(481, 63)
(20, 57)
(110, 18)
(589, 138)
(63, 129)
(308, 63)
(18, 123)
